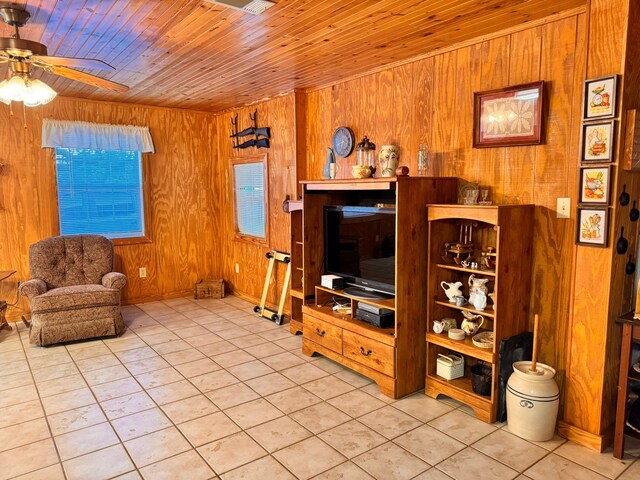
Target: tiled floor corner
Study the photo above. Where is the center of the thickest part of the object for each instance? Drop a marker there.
(207, 390)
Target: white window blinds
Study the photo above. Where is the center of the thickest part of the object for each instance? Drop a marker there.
(100, 192)
(250, 198)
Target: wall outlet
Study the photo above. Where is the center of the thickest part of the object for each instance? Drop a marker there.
(143, 272)
(237, 268)
(563, 208)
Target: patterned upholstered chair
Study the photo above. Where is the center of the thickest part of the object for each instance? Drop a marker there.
(73, 292)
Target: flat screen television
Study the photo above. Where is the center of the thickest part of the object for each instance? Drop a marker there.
(359, 245)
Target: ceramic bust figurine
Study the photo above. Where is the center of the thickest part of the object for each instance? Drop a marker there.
(388, 159)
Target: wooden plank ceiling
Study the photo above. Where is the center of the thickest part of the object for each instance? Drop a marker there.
(197, 55)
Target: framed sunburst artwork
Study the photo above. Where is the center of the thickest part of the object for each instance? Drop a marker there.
(508, 116)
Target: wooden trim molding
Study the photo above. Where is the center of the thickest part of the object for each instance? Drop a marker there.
(584, 438)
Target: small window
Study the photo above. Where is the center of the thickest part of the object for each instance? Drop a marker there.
(100, 192)
(250, 197)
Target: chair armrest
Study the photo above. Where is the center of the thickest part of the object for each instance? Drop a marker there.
(114, 280)
(33, 288)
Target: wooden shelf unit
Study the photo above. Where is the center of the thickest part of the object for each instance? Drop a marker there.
(508, 228)
(394, 358)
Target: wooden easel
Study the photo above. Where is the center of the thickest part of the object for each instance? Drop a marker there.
(277, 317)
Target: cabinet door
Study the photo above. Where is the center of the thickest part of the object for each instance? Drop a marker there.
(323, 333)
(368, 352)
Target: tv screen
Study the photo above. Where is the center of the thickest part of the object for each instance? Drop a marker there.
(359, 245)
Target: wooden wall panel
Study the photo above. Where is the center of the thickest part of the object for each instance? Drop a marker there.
(518, 162)
(423, 112)
(279, 115)
(554, 170)
(182, 222)
(403, 105)
(622, 294)
(441, 91)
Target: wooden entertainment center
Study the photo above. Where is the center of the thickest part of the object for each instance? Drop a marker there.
(393, 357)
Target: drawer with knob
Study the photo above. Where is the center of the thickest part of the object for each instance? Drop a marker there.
(323, 333)
(368, 352)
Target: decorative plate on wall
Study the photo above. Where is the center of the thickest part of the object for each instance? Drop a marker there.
(343, 141)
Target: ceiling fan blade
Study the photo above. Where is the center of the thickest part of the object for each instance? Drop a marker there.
(91, 63)
(88, 78)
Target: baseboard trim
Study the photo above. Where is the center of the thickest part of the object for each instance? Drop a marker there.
(587, 439)
(157, 298)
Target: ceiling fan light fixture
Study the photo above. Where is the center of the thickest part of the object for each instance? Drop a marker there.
(38, 93)
(32, 92)
(3, 98)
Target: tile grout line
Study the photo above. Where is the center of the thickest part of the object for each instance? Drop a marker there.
(260, 396)
(108, 420)
(46, 417)
(242, 430)
(176, 425)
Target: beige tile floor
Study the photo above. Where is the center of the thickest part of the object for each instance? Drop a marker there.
(203, 390)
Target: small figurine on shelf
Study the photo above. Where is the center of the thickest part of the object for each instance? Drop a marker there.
(330, 164)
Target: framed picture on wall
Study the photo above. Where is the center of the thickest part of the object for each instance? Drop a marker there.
(595, 185)
(508, 116)
(600, 98)
(597, 142)
(593, 225)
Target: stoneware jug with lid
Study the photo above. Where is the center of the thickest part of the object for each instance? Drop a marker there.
(533, 398)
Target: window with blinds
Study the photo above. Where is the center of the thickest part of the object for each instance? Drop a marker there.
(100, 192)
(249, 190)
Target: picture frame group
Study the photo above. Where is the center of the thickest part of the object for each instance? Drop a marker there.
(597, 153)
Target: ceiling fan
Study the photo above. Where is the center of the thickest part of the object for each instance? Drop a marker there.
(22, 55)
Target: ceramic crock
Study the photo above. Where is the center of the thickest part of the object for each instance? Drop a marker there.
(532, 401)
(388, 160)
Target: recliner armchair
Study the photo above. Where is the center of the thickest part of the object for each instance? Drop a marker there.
(73, 292)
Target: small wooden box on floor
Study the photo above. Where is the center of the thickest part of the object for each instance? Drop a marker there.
(393, 357)
(208, 289)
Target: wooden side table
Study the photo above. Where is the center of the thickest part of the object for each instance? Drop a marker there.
(4, 274)
(630, 333)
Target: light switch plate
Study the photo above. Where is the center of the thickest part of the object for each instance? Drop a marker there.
(563, 208)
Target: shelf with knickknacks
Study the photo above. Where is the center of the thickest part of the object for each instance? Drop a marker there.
(478, 299)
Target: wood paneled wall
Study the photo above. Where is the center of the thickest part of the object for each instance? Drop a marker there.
(427, 101)
(279, 114)
(183, 226)
(431, 101)
(578, 291)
